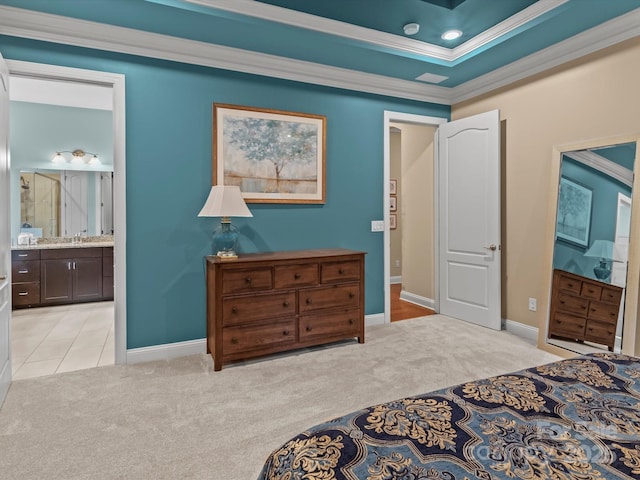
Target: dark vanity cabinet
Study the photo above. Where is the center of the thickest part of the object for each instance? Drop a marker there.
(70, 274)
(62, 275)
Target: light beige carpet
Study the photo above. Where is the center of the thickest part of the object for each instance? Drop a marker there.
(181, 420)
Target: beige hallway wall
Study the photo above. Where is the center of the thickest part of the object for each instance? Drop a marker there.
(395, 157)
(415, 209)
(597, 97)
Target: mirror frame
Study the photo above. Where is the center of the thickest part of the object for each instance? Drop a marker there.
(630, 330)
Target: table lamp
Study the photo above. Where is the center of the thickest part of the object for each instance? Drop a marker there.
(225, 201)
(607, 252)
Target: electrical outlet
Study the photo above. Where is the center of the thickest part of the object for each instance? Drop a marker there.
(533, 304)
(377, 225)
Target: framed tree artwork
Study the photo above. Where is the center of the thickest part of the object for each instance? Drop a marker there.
(274, 156)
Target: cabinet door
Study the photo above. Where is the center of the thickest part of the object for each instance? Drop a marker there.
(56, 280)
(87, 278)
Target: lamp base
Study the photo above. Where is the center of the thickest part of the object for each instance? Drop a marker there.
(224, 240)
(602, 271)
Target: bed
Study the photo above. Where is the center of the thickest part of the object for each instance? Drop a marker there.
(573, 419)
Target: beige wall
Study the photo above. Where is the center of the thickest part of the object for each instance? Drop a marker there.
(395, 157)
(415, 209)
(595, 98)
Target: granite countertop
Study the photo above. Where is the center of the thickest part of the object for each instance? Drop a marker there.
(68, 242)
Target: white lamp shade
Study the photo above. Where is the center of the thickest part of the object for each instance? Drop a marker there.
(225, 201)
(606, 250)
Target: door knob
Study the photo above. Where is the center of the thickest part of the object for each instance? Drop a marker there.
(493, 247)
(3, 277)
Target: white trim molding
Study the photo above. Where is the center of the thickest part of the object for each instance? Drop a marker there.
(417, 299)
(117, 82)
(46, 27)
(374, 319)
(398, 43)
(602, 164)
(522, 330)
(167, 351)
(395, 280)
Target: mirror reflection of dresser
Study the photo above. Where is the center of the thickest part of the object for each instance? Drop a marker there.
(590, 255)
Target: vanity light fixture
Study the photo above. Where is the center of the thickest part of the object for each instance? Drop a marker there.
(451, 35)
(411, 28)
(77, 157)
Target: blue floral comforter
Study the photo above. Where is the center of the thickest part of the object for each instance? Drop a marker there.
(572, 419)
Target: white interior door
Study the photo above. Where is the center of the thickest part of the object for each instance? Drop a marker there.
(623, 226)
(106, 203)
(5, 237)
(469, 219)
(74, 210)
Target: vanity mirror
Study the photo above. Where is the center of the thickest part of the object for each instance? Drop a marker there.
(64, 203)
(592, 233)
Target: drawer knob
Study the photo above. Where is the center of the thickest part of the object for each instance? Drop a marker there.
(234, 309)
(285, 303)
(341, 271)
(309, 301)
(234, 340)
(612, 314)
(570, 284)
(297, 276)
(23, 294)
(248, 279)
(308, 328)
(285, 332)
(23, 254)
(23, 271)
(351, 321)
(561, 302)
(351, 294)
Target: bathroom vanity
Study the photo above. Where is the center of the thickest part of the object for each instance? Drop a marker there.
(62, 273)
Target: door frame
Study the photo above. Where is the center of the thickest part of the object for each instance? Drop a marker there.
(117, 83)
(389, 117)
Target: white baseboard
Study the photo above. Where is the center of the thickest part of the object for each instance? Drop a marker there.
(521, 330)
(394, 280)
(166, 351)
(417, 299)
(194, 347)
(374, 319)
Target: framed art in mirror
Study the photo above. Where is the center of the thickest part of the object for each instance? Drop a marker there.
(574, 212)
(274, 156)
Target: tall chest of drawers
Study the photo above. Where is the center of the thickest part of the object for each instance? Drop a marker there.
(264, 303)
(584, 309)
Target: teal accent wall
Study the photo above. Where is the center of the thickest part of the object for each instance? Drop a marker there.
(169, 128)
(570, 257)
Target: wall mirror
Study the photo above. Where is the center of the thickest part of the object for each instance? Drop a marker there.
(63, 203)
(591, 249)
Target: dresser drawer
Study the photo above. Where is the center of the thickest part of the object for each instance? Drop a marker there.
(611, 295)
(240, 281)
(25, 255)
(600, 332)
(563, 324)
(569, 303)
(25, 293)
(591, 291)
(288, 276)
(258, 337)
(25, 271)
(246, 309)
(603, 311)
(336, 296)
(569, 284)
(334, 272)
(339, 324)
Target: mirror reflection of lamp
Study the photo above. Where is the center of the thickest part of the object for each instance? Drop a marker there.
(225, 201)
(607, 252)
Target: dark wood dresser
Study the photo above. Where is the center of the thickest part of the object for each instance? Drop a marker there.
(583, 309)
(264, 303)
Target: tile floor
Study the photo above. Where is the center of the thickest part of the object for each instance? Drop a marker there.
(63, 338)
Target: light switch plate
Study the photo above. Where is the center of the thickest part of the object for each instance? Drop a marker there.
(377, 225)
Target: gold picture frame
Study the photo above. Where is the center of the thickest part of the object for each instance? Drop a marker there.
(274, 156)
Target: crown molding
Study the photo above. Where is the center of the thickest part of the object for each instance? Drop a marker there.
(604, 165)
(602, 36)
(81, 33)
(407, 46)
